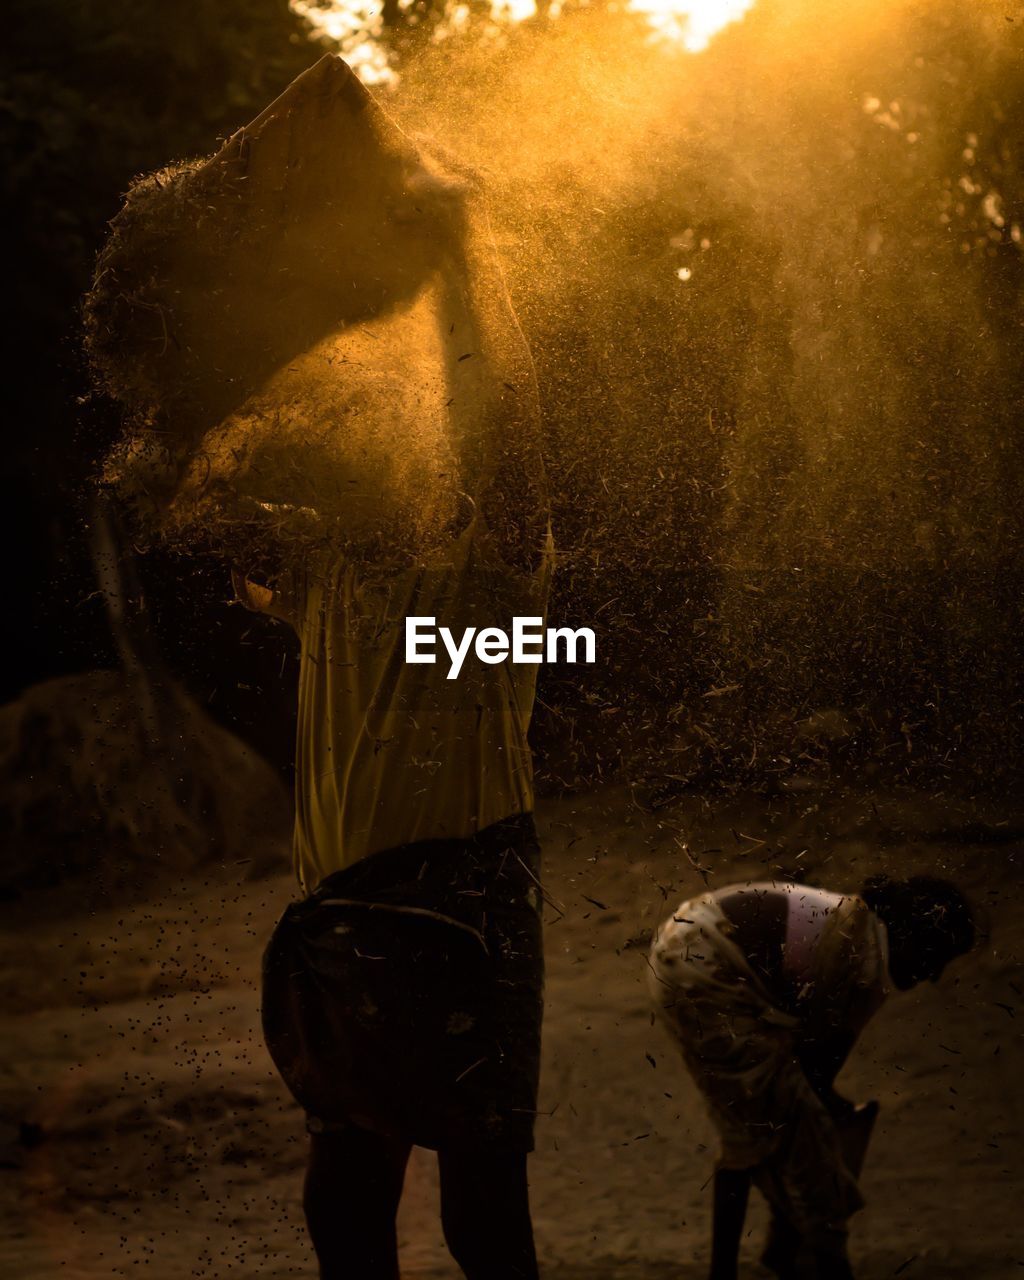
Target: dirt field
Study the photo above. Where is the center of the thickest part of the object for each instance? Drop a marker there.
(146, 1135)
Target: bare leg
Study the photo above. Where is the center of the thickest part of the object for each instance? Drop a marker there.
(485, 1211)
(731, 1193)
(353, 1186)
(781, 1247)
(825, 1259)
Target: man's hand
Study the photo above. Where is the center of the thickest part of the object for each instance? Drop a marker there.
(251, 594)
(282, 603)
(437, 192)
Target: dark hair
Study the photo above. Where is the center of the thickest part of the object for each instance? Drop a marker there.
(925, 911)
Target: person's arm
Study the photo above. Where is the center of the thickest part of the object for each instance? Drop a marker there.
(822, 1057)
(846, 988)
(247, 493)
(494, 411)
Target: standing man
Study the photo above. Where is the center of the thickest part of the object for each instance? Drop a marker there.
(323, 380)
(402, 996)
(765, 988)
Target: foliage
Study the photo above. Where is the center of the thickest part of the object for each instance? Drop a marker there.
(93, 92)
(774, 295)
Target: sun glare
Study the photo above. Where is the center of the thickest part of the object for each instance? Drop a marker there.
(356, 25)
(692, 22)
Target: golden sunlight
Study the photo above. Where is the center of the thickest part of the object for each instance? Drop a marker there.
(356, 25)
(692, 22)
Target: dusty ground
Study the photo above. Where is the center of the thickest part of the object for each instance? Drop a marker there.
(145, 1134)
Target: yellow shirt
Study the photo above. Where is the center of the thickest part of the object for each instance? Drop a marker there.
(390, 752)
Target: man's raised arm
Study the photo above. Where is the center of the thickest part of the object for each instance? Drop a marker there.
(494, 411)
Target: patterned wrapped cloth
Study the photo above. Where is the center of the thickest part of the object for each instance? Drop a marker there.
(742, 1051)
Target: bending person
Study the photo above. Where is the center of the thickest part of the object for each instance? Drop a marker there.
(765, 987)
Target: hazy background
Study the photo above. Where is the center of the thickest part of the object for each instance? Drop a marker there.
(771, 274)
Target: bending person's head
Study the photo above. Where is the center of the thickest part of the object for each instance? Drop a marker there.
(929, 923)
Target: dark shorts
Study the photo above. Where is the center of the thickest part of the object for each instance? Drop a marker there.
(405, 995)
